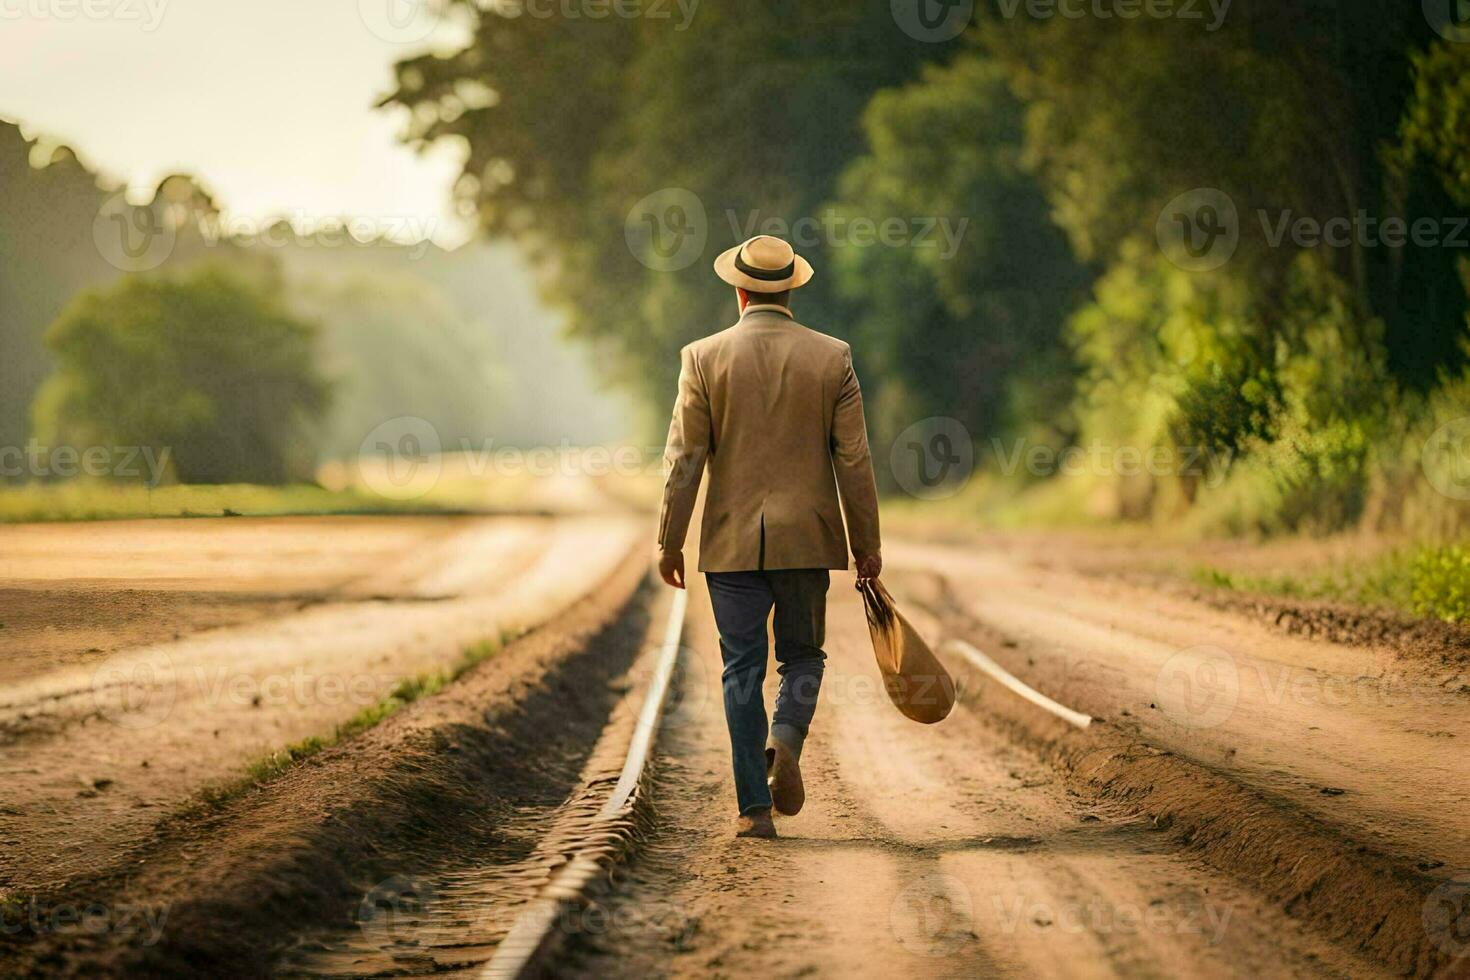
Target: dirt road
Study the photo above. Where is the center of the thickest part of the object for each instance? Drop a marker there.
(1362, 736)
(148, 660)
(1248, 802)
(944, 851)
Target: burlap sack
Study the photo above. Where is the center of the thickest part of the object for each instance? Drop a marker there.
(917, 683)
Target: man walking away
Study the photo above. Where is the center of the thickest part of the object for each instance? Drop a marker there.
(775, 412)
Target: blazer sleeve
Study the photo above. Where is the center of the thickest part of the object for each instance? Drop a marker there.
(853, 465)
(684, 455)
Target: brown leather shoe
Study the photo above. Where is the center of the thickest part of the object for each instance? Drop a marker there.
(783, 773)
(756, 823)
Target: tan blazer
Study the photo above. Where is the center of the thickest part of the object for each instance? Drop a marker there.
(775, 411)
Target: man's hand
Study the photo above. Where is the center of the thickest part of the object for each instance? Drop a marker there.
(671, 568)
(869, 566)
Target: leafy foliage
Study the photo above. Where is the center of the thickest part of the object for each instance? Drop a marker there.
(208, 366)
(753, 108)
(1442, 584)
(1313, 369)
(966, 322)
(1435, 128)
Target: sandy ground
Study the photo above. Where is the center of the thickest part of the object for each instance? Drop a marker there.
(1361, 737)
(961, 849)
(460, 783)
(935, 851)
(1137, 550)
(99, 738)
(470, 907)
(71, 592)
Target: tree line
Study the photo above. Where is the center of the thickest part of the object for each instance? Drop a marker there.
(1100, 168)
(145, 325)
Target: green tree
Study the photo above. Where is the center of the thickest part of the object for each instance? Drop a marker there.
(1430, 169)
(754, 108)
(45, 229)
(1287, 108)
(54, 228)
(968, 322)
(208, 365)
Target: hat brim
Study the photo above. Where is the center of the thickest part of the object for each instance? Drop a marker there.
(726, 270)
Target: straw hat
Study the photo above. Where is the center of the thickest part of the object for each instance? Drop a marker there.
(763, 264)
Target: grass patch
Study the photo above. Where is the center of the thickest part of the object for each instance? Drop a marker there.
(1424, 581)
(91, 500)
(404, 693)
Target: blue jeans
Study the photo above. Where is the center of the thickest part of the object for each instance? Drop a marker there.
(742, 602)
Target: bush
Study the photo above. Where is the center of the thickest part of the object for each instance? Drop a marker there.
(1442, 583)
(208, 367)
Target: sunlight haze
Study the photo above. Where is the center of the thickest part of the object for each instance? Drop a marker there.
(269, 104)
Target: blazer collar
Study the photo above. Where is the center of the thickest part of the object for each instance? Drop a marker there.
(767, 308)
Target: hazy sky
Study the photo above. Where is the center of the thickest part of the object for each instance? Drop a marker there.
(268, 102)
